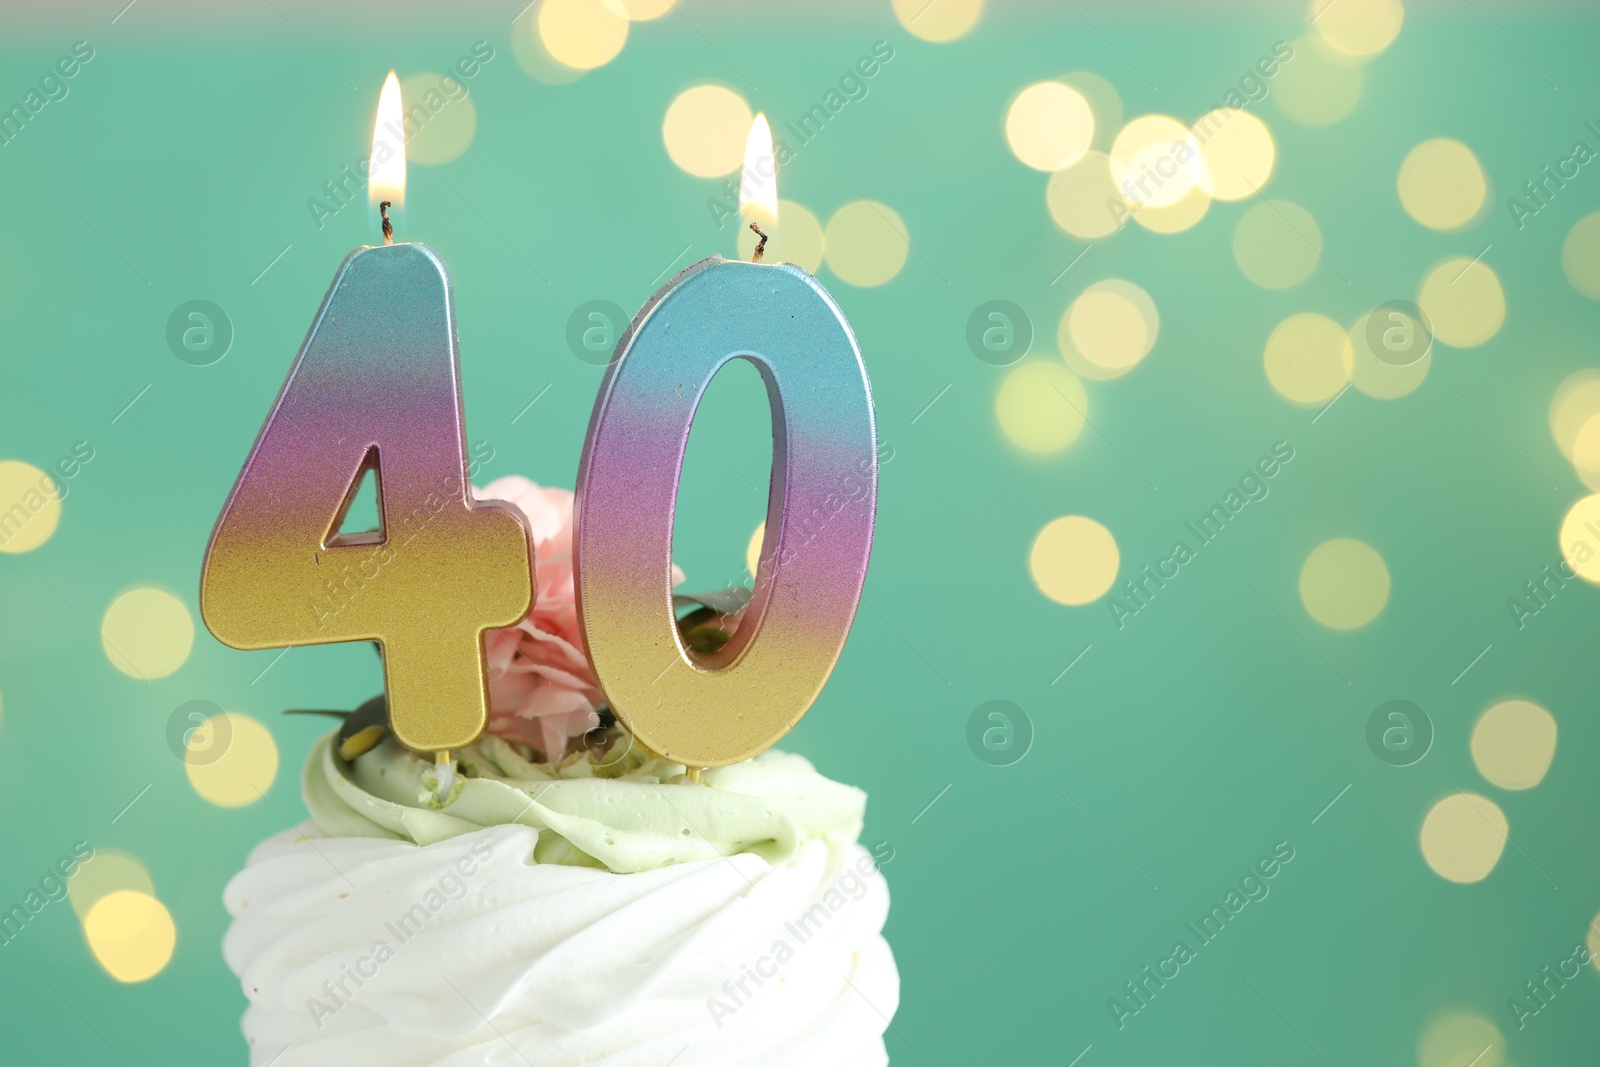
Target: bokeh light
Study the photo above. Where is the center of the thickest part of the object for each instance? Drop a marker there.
(705, 130)
(533, 57)
(242, 773)
(583, 34)
(1308, 358)
(752, 551)
(1460, 1039)
(1344, 583)
(1041, 406)
(1074, 560)
(1238, 152)
(938, 20)
(147, 633)
(1379, 378)
(108, 871)
(1110, 327)
(1081, 199)
(1513, 744)
(1442, 185)
(131, 935)
(866, 243)
(1463, 837)
(1277, 244)
(1580, 256)
(1155, 162)
(1464, 301)
(1586, 452)
(30, 506)
(440, 115)
(1580, 538)
(798, 240)
(1575, 403)
(1049, 126)
(1357, 28)
(1319, 86)
(1104, 103)
(645, 10)
(1174, 218)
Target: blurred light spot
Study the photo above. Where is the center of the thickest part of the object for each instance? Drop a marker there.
(1155, 162)
(1074, 560)
(1379, 378)
(1513, 744)
(1111, 326)
(147, 633)
(1084, 201)
(1174, 218)
(1104, 104)
(752, 551)
(866, 243)
(1580, 256)
(1049, 126)
(1463, 837)
(1442, 184)
(1358, 28)
(1461, 1039)
(1586, 452)
(798, 240)
(1041, 406)
(1277, 244)
(1576, 401)
(439, 117)
(1318, 87)
(1580, 538)
(938, 20)
(30, 506)
(241, 774)
(107, 871)
(705, 130)
(645, 10)
(1309, 358)
(131, 935)
(1594, 942)
(1344, 583)
(583, 34)
(1238, 152)
(534, 58)
(1463, 300)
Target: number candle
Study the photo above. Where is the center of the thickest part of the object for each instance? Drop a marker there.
(706, 711)
(375, 389)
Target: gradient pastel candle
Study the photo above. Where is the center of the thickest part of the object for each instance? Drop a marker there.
(374, 388)
(712, 710)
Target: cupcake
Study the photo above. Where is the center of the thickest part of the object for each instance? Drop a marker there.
(556, 894)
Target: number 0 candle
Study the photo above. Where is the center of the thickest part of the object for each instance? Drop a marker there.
(706, 711)
(375, 389)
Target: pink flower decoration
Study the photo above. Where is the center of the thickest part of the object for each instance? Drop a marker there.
(542, 688)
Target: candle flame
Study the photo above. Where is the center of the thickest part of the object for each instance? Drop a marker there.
(758, 185)
(386, 176)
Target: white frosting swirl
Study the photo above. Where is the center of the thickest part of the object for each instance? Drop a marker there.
(467, 952)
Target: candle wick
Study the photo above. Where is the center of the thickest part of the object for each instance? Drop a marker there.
(388, 227)
(761, 245)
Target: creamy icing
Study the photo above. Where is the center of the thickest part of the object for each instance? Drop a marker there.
(623, 810)
(556, 917)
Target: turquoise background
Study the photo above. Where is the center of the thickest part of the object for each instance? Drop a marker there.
(1189, 742)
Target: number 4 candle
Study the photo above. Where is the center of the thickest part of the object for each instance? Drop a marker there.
(706, 711)
(375, 389)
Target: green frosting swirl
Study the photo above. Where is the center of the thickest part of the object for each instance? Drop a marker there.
(626, 813)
